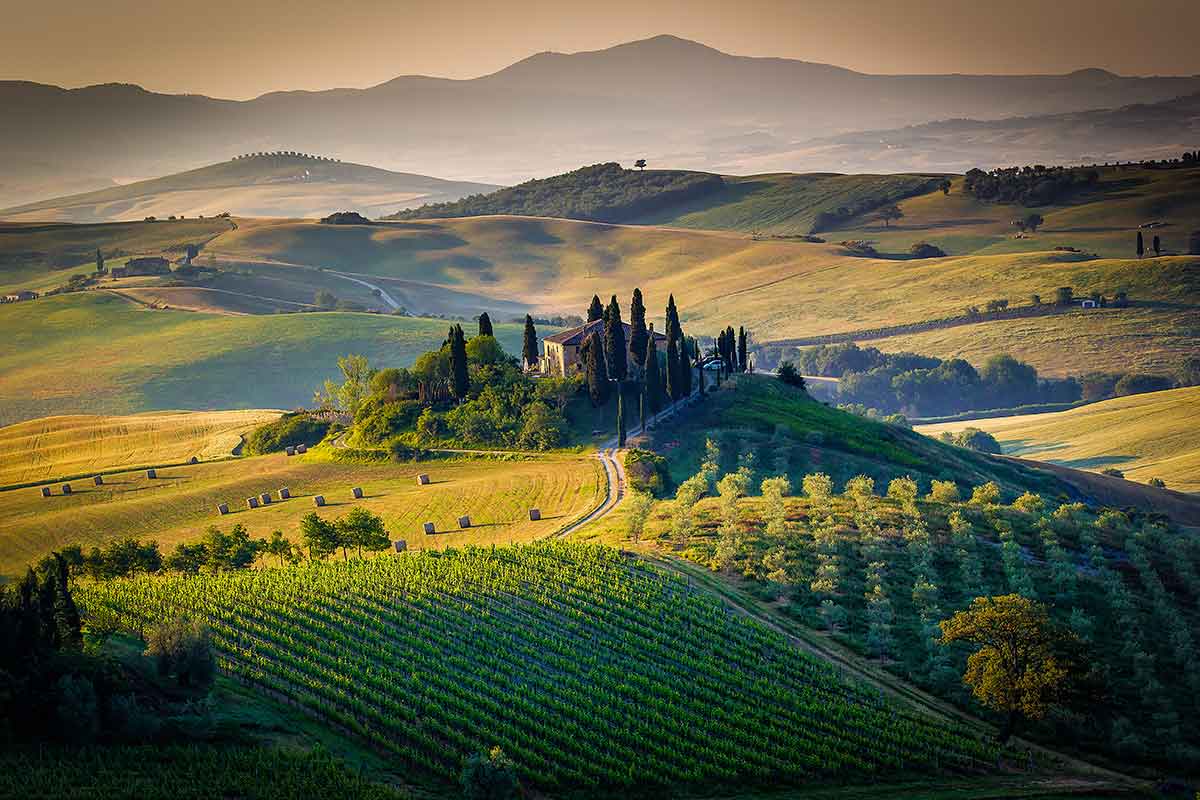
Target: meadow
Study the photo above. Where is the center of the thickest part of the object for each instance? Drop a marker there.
(56, 447)
(97, 353)
(1144, 436)
(181, 503)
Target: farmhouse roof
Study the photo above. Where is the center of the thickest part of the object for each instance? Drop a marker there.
(577, 336)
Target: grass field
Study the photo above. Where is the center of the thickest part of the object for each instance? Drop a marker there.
(1145, 436)
(53, 447)
(97, 353)
(182, 502)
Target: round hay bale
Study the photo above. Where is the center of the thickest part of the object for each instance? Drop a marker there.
(357, 492)
(319, 501)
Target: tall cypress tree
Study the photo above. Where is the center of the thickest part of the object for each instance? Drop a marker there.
(642, 410)
(673, 387)
(741, 348)
(529, 344)
(597, 374)
(637, 329)
(595, 310)
(485, 325)
(731, 349)
(685, 365)
(699, 370)
(615, 351)
(459, 377)
(653, 385)
(99, 260)
(1141, 245)
(620, 418)
(672, 315)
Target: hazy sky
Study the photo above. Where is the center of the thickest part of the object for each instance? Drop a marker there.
(243, 48)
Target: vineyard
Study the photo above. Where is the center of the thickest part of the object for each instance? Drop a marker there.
(590, 670)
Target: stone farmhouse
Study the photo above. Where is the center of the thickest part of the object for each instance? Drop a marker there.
(561, 350)
(17, 297)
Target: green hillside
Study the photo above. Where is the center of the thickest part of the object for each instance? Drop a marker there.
(591, 671)
(98, 353)
(267, 185)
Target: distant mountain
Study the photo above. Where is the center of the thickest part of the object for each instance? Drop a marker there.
(1132, 133)
(666, 99)
(270, 185)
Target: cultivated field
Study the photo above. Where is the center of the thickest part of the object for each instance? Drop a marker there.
(1145, 436)
(98, 353)
(54, 447)
(182, 502)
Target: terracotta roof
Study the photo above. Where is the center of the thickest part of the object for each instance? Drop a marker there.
(576, 336)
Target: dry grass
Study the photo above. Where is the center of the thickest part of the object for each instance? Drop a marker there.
(53, 447)
(1145, 436)
(181, 503)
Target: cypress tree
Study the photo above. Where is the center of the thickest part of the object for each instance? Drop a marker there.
(597, 374)
(529, 345)
(620, 417)
(1156, 245)
(686, 348)
(485, 325)
(673, 387)
(1141, 245)
(99, 261)
(741, 349)
(459, 377)
(615, 351)
(637, 329)
(652, 387)
(672, 315)
(731, 350)
(595, 310)
(642, 409)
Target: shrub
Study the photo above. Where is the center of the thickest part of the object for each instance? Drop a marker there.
(181, 648)
(490, 776)
(378, 420)
(646, 471)
(944, 492)
(1030, 503)
(986, 495)
(926, 250)
(788, 374)
(977, 440)
(291, 429)
(1158, 483)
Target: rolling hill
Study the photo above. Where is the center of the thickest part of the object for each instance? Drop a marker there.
(59, 447)
(98, 353)
(1144, 436)
(545, 114)
(268, 185)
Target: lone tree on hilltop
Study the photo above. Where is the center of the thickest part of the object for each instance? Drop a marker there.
(485, 325)
(1019, 668)
(640, 163)
(889, 213)
(529, 345)
(637, 329)
(595, 310)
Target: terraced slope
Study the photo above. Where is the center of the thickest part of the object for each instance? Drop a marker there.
(589, 670)
(1145, 436)
(53, 447)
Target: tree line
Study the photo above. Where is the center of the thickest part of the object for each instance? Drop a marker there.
(1036, 185)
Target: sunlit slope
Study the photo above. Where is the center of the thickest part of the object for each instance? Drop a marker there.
(1101, 220)
(98, 353)
(53, 447)
(1145, 436)
(273, 186)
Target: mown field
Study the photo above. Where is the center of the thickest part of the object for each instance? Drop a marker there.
(1144, 436)
(181, 503)
(53, 447)
(590, 670)
(97, 353)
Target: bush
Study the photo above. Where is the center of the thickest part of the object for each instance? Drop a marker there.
(378, 420)
(986, 495)
(944, 492)
(490, 776)
(181, 648)
(1157, 483)
(647, 471)
(1139, 384)
(1030, 503)
(291, 429)
(926, 250)
(977, 440)
(788, 374)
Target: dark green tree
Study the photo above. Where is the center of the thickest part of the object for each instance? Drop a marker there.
(699, 370)
(485, 325)
(687, 346)
(595, 310)
(362, 529)
(642, 410)
(1156, 245)
(1141, 245)
(615, 350)
(597, 372)
(674, 389)
(99, 260)
(637, 329)
(620, 417)
(672, 315)
(741, 349)
(460, 379)
(319, 536)
(529, 344)
(652, 387)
